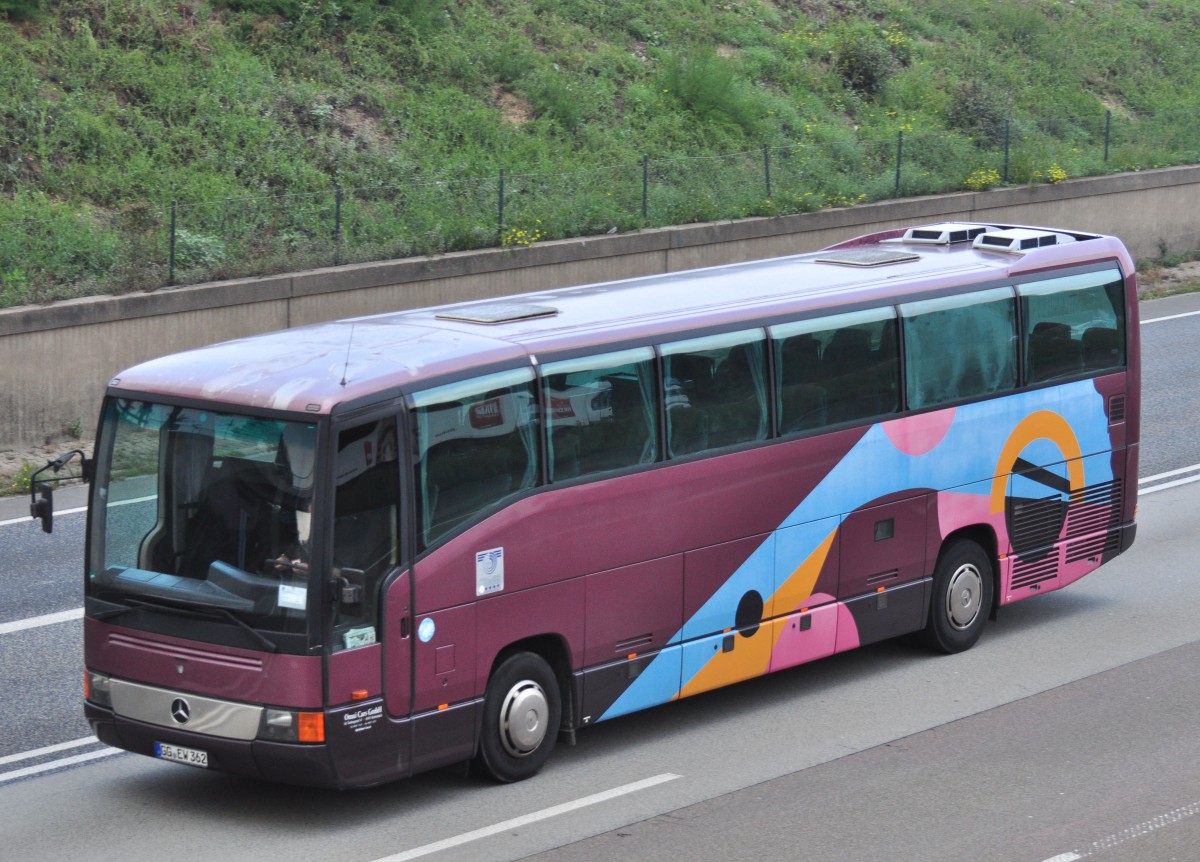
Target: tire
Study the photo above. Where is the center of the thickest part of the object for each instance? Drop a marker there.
(521, 713)
(963, 583)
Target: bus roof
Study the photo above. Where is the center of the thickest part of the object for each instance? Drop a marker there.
(314, 369)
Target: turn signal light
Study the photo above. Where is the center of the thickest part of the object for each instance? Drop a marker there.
(310, 727)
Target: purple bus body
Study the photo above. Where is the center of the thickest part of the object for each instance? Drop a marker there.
(657, 584)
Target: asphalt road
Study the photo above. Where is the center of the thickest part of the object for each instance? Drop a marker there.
(1069, 732)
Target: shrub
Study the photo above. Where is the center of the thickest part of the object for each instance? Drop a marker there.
(707, 85)
(194, 250)
(863, 58)
(980, 112)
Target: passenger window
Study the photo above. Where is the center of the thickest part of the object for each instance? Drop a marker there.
(1073, 325)
(836, 369)
(960, 347)
(476, 447)
(600, 413)
(365, 527)
(715, 392)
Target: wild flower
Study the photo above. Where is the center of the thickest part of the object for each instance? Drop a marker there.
(520, 237)
(982, 179)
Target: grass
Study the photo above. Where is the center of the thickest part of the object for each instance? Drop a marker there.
(238, 121)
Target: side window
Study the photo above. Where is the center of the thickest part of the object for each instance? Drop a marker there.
(1073, 325)
(959, 347)
(476, 447)
(836, 369)
(715, 391)
(365, 526)
(600, 413)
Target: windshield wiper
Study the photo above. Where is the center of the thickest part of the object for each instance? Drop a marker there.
(199, 614)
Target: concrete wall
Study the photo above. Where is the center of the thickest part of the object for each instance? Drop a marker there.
(55, 360)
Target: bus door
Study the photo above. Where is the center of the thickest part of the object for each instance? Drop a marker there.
(370, 597)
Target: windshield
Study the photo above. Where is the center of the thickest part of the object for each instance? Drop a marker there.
(206, 511)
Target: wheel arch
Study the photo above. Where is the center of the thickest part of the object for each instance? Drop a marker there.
(553, 649)
(985, 537)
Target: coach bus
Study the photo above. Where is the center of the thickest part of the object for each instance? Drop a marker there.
(346, 553)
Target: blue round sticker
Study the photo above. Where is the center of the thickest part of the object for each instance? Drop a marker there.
(426, 629)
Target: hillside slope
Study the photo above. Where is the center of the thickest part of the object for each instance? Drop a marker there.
(602, 116)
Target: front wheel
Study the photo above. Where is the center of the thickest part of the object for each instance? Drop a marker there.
(521, 713)
(962, 597)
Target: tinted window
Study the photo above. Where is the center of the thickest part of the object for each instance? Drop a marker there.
(1073, 325)
(959, 347)
(476, 447)
(600, 413)
(365, 521)
(715, 391)
(836, 369)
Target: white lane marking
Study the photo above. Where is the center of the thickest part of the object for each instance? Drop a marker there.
(79, 509)
(58, 764)
(45, 620)
(1133, 832)
(535, 817)
(49, 749)
(1146, 479)
(28, 520)
(1170, 317)
(1165, 485)
(1195, 468)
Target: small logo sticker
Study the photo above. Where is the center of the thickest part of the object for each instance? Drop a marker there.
(489, 572)
(426, 629)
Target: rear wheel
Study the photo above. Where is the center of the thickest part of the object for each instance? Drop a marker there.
(962, 597)
(521, 713)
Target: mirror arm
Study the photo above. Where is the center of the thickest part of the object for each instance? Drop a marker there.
(41, 495)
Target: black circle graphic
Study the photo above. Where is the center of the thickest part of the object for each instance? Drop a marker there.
(749, 614)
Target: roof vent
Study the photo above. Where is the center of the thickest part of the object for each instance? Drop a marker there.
(492, 313)
(1019, 240)
(943, 234)
(867, 257)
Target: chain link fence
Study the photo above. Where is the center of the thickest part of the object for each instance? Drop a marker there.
(74, 252)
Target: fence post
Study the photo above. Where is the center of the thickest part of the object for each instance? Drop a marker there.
(171, 254)
(337, 225)
(899, 157)
(767, 169)
(1107, 132)
(1007, 129)
(500, 210)
(645, 188)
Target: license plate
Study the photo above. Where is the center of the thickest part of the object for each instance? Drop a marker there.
(179, 754)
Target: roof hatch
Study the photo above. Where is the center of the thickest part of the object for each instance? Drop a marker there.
(1019, 240)
(492, 313)
(867, 257)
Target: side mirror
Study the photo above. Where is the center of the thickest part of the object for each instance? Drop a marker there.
(41, 496)
(345, 590)
(41, 507)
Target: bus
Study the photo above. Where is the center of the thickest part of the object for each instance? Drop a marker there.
(349, 552)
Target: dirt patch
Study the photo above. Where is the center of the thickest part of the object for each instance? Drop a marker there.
(16, 465)
(512, 107)
(1155, 282)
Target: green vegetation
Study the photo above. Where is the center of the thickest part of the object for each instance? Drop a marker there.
(143, 142)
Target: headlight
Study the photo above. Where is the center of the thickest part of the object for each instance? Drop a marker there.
(285, 725)
(97, 688)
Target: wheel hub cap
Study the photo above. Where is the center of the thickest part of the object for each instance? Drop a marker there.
(964, 596)
(523, 718)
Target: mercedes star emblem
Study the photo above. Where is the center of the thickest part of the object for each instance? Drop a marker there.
(180, 711)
